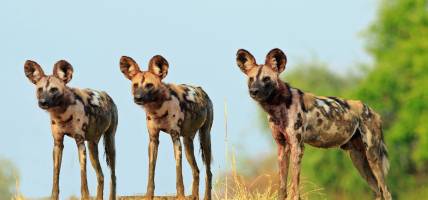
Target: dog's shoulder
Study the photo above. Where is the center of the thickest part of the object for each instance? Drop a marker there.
(93, 99)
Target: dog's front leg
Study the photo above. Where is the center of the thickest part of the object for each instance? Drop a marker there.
(178, 164)
(80, 142)
(57, 157)
(153, 154)
(296, 158)
(283, 163)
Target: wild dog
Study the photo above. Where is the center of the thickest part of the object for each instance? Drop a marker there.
(296, 117)
(179, 110)
(82, 114)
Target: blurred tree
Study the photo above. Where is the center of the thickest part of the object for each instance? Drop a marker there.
(8, 174)
(397, 87)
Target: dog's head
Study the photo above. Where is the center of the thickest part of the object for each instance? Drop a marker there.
(147, 86)
(49, 88)
(263, 79)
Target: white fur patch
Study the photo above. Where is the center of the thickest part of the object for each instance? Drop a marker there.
(95, 100)
(36, 73)
(191, 94)
(131, 69)
(323, 104)
(157, 70)
(61, 74)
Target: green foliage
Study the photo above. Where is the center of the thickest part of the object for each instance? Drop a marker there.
(315, 77)
(397, 87)
(8, 174)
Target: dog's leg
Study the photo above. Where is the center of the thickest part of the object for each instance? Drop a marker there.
(188, 146)
(178, 165)
(57, 157)
(296, 158)
(82, 158)
(376, 153)
(206, 153)
(93, 155)
(357, 153)
(283, 163)
(153, 154)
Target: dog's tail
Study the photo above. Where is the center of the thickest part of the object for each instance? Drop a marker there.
(384, 156)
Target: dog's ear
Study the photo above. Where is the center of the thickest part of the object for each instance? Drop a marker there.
(129, 67)
(33, 71)
(63, 70)
(276, 59)
(158, 65)
(245, 60)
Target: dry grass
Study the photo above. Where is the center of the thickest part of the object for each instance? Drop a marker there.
(241, 189)
(17, 195)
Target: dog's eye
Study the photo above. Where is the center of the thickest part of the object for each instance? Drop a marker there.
(149, 85)
(39, 90)
(266, 79)
(53, 90)
(135, 85)
(251, 79)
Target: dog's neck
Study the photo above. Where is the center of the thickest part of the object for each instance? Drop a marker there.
(68, 98)
(152, 107)
(277, 104)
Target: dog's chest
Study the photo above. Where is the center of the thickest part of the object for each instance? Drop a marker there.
(169, 117)
(88, 116)
(72, 122)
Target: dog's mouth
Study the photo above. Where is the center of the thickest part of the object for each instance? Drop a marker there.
(261, 96)
(145, 99)
(44, 107)
(139, 102)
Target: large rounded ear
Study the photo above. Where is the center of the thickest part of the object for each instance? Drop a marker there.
(63, 70)
(33, 71)
(159, 66)
(245, 60)
(129, 67)
(276, 59)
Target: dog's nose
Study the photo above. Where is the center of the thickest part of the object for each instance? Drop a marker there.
(138, 98)
(254, 91)
(43, 102)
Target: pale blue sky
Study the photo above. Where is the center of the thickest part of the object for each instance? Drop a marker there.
(199, 39)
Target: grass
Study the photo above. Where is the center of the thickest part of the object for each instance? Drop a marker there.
(242, 189)
(239, 188)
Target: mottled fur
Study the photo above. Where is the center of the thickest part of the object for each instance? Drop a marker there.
(179, 110)
(82, 114)
(296, 117)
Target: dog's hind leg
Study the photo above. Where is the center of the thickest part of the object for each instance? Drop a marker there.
(357, 153)
(93, 155)
(376, 153)
(188, 146)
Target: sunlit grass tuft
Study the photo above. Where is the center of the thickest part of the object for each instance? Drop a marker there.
(17, 195)
(241, 189)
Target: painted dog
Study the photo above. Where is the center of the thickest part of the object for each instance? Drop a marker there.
(179, 110)
(296, 117)
(82, 114)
